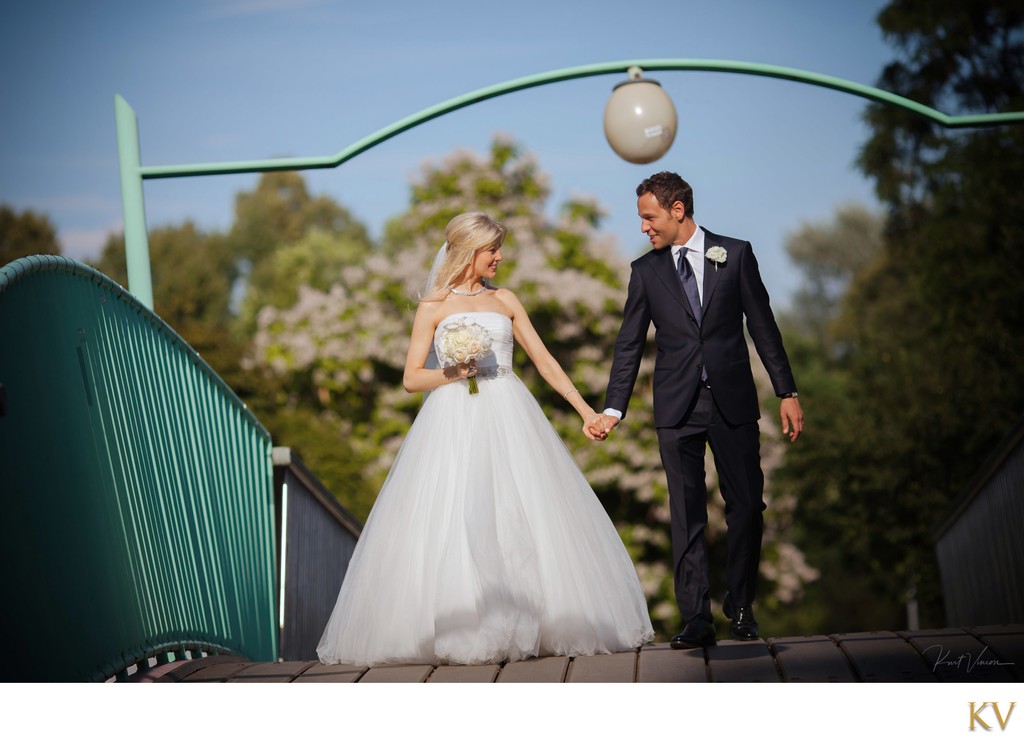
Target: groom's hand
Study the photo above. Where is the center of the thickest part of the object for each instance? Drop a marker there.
(598, 426)
(592, 427)
(792, 418)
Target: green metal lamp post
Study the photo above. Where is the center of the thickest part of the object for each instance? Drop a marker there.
(133, 173)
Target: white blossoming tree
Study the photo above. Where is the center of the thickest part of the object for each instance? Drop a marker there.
(347, 345)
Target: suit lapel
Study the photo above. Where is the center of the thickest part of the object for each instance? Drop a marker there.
(711, 273)
(665, 270)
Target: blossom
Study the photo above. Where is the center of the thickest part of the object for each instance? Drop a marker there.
(716, 255)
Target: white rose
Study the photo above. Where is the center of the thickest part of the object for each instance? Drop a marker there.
(716, 254)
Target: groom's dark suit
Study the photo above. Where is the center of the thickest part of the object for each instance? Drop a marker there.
(688, 413)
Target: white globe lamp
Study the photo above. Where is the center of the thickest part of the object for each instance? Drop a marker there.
(639, 119)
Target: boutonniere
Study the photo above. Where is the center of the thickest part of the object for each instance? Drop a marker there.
(716, 255)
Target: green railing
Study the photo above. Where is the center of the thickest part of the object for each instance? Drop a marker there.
(136, 489)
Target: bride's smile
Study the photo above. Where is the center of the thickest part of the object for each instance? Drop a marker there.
(486, 262)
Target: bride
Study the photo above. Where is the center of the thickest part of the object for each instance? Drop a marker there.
(485, 544)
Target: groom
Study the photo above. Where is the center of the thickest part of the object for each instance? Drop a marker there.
(697, 287)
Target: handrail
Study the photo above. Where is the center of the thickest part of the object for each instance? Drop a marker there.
(137, 488)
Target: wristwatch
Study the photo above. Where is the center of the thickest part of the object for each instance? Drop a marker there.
(788, 395)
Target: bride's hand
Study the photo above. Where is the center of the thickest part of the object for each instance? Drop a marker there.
(594, 427)
(462, 371)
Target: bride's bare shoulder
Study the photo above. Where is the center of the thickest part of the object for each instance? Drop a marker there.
(507, 298)
(429, 309)
(434, 305)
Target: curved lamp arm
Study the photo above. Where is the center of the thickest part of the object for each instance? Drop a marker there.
(132, 172)
(583, 71)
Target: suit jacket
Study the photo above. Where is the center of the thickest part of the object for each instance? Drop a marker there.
(731, 291)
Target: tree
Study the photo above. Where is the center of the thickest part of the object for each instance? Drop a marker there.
(820, 470)
(829, 255)
(25, 233)
(280, 211)
(283, 237)
(316, 260)
(930, 335)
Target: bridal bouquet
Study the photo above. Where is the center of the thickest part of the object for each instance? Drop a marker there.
(461, 342)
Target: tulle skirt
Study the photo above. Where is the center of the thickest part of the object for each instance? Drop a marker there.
(485, 544)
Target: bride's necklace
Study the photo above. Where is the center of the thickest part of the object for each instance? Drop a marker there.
(461, 293)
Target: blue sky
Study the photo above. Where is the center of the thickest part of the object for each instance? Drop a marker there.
(223, 80)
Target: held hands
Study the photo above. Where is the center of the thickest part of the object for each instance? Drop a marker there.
(792, 418)
(599, 426)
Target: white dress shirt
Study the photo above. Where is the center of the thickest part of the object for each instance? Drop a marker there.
(695, 255)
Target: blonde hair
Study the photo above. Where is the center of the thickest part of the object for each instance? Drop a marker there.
(466, 235)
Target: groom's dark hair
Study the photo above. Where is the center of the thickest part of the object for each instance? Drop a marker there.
(667, 188)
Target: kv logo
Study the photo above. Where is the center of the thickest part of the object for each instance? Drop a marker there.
(978, 718)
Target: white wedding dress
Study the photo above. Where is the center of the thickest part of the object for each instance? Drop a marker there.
(486, 543)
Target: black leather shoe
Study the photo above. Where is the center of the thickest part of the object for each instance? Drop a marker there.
(697, 633)
(744, 627)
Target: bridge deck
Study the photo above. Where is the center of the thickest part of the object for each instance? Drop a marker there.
(976, 654)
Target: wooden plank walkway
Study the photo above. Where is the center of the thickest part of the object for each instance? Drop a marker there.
(977, 654)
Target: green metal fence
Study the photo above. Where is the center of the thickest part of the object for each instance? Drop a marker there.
(136, 491)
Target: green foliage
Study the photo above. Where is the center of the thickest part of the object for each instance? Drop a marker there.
(280, 211)
(919, 374)
(316, 260)
(829, 256)
(953, 56)
(25, 233)
(284, 238)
